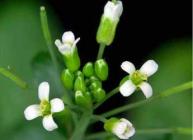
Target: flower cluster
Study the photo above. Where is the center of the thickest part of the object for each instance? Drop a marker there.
(86, 83)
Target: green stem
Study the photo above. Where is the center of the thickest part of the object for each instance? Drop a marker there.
(162, 95)
(47, 36)
(179, 130)
(109, 95)
(101, 51)
(100, 118)
(22, 84)
(82, 126)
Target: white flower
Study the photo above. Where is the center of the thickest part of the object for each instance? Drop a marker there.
(45, 108)
(113, 10)
(138, 78)
(68, 43)
(123, 129)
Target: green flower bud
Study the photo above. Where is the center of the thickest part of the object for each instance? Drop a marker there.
(99, 95)
(93, 78)
(101, 69)
(109, 22)
(95, 85)
(109, 124)
(79, 84)
(106, 31)
(79, 73)
(72, 60)
(88, 69)
(68, 79)
(83, 100)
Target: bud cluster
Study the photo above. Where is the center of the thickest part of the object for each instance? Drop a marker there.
(87, 84)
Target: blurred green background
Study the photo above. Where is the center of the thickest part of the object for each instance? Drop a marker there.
(21, 40)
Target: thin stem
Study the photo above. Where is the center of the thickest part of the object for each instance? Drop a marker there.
(99, 135)
(47, 36)
(100, 118)
(101, 51)
(21, 83)
(109, 95)
(81, 126)
(162, 95)
(178, 130)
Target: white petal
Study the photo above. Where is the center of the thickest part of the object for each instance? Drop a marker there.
(68, 37)
(43, 91)
(119, 8)
(112, 10)
(75, 42)
(149, 67)
(126, 121)
(147, 89)
(58, 43)
(128, 67)
(120, 128)
(131, 131)
(32, 112)
(127, 88)
(57, 105)
(65, 49)
(48, 123)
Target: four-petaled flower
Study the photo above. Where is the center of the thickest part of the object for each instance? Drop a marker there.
(138, 78)
(68, 44)
(45, 108)
(122, 128)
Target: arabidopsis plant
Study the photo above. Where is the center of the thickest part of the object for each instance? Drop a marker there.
(45, 108)
(138, 78)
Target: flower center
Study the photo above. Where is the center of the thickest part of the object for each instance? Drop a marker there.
(137, 77)
(45, 107)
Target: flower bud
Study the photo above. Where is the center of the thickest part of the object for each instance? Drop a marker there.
(83, 100)
(88, 69)
(95, 85)
(109, 21)
(79, 84)
(72, 60)
(99, 95)
(69, 50)
(79, 73)
(122, 128)
(68, 79)
(101, 69)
